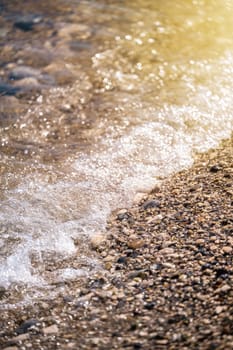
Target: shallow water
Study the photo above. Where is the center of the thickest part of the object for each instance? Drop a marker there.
(121, 95)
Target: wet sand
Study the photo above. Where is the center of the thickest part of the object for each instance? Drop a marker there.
(167, 277)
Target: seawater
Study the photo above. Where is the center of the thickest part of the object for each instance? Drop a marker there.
(153, 86)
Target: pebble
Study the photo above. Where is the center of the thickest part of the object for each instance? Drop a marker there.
(95, 341)
(3, 292)
(25, 326)
(8, 90)
(213, 247)
(80, 31)
(23, 72)
(3, 32)
(151, 204)
(134, 242)
(109, 258)
(11, 105)
(227, 249)
(11, 348)
(215, 168)
(71, 346)
(161, 341)
(61, 72)
(122, 260)
(97, 239)
(140, 273)
(66, 108)
(108, 266)
(219, 309)
(225, 288)
(53, 329)
(27, 22)
(35, 57)
(122, 214)
(167, 251)
(206, 321)
(21, 337)
(169, 265)
(200, 241)
(28, 83)
(139, 197)
(155, 219)
(85, 298)
(104, 294)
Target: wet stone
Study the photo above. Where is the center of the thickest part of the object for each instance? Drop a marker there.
(61, 74)
(28, 84)
(221, 273)
(122, 260)
(3, 292)
(36, 58)
(27, 22)
(8, 90)
(25, 326)
(66, 108)
(149, 306)
(80, 31)
(122, 215)
(151, 204)
(97, 239)
(215, 168)
(24, 72)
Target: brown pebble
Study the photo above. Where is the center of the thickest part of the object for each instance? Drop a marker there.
(162, 341)
(219, 309)
(21, 337)
(135, 242)
(200, 241)
(71, 346)
(227, 249)
(51, 329)
(213, 247)
(167, 251)
(225, 288)
(97, 239)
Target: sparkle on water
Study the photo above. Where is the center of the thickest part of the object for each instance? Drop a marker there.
(153, 85)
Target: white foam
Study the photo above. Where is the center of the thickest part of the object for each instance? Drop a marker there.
(48, 217)
(17, 268)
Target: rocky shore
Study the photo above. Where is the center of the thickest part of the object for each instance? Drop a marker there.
(167, 278)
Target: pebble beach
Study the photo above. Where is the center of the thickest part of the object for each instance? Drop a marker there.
(110, 236)
(166, 278)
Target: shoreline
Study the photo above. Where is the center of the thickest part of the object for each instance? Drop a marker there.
(168, 278)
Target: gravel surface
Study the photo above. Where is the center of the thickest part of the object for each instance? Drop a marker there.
(167, 277)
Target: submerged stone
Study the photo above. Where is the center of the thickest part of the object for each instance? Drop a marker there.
(6, 89)
(26, 23)
(23, 72)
